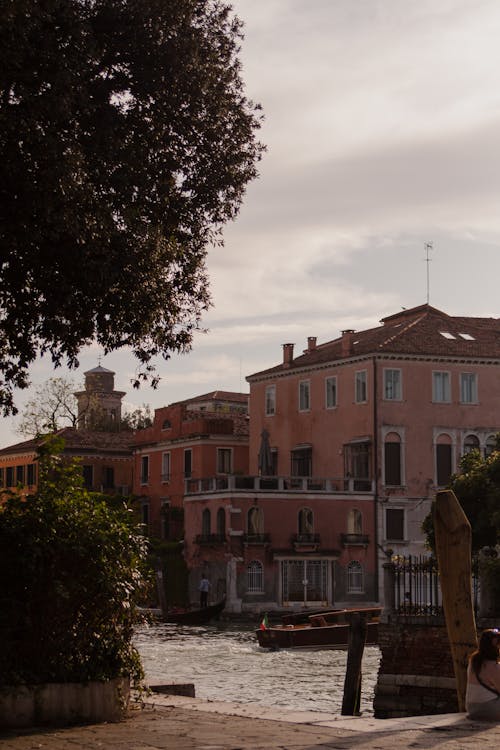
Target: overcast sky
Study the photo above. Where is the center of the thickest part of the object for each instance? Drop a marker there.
(382, 123)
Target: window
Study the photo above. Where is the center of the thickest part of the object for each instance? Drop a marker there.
(167, 424)
(441, 387)
(304, 395)
(392, 385)
(2, 477)
(357, 458)
(360, 395)
(224, 460)
(221, 522)
(392, 460)
(395, 524)
(468, 388)
(9, 476)
(144, 469)
(270, 400)
(331, 392)
(306, 521)
(205, 523)
(490, 445)
(255, 577)
(188, 463)
(108, 478)
(165, 467)
(355, 583)
(19, 474)
(443, 460)
(255, 520)
(471, 443)
(354, 522)
(31, 475)
(88, 476)
(301, 462)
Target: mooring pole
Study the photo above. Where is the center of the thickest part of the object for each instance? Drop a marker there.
(352, 684)
(453, 548)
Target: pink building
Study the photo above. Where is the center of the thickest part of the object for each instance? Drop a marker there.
(349, 442)
(199, 437)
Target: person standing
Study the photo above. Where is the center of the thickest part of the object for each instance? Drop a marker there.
(204, 589)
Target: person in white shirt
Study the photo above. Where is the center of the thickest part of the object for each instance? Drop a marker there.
(482, 698)
(203, 589)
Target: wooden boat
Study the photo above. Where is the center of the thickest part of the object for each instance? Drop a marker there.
(318, 630)
(195, 616)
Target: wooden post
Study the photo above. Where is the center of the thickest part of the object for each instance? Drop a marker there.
(453, 548)
(352, 683)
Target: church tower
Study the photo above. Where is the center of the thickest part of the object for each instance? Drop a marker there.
(99, 405)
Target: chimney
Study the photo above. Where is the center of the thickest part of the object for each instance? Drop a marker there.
(346, 348)
(287, 354)
(311, 343)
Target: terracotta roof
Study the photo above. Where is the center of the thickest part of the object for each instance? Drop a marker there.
(240, 398)
(80, 440)
(420, 331)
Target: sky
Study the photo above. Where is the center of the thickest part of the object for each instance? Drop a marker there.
(382, 126)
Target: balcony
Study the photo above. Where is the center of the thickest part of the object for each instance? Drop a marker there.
(239, 483)
(256, 538)
(306, 542)
(212, 540)
(354, 540)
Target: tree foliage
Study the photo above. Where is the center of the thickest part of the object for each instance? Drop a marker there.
(126, 143)
(477, 487)
(71, 571)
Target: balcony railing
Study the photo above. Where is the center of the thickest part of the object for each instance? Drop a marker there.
(301, 541)
(210, 539)
(256, 538)
(240, 483)
(354, 540)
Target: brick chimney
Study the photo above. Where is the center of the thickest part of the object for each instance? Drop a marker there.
(287, 354)
(346, 348)
(311, 343)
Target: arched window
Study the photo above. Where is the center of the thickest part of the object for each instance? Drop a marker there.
(355, 578)
(221, 522)
(205, 522)
(471, 443)
(392, 460)
(490, 445)
(306, 521)
(255, 520)
(354, 522)
(444, 467)
(167, 424)
(255, 577)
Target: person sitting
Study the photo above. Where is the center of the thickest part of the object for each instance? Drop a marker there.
(482, 698)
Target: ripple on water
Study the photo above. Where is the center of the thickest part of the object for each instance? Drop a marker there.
(225, 663)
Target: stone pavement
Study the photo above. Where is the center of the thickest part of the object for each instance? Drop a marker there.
(177, 723)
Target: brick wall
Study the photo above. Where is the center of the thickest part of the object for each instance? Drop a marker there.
(416, 675)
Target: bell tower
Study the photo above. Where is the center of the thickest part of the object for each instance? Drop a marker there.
(99, 405)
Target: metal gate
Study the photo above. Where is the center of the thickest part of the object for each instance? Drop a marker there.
(305, 581)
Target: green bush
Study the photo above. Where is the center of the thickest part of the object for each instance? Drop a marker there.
(71, 571)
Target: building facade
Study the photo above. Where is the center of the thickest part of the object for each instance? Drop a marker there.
(349, 442)
(205, 436)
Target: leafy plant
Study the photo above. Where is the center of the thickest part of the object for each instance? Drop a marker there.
(71, 573)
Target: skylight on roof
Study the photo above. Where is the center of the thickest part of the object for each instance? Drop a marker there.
(447, 335)
(467, 336)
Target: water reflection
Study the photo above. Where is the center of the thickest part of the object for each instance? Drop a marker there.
(225, 663)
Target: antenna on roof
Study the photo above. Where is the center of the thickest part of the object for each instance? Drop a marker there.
(428, 247)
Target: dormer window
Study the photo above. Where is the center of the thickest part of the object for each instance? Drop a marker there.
(467, 336)
(447, 335)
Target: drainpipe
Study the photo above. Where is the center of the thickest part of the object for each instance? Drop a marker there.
(375, 471)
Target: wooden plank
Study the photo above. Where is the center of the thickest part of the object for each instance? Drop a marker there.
(453, 548)
(352, 684)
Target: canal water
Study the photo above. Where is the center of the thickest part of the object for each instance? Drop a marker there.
(225, 663)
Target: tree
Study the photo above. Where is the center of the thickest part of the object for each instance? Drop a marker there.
(53, 406)
(72, 571)
(126, 143)
(477, 487)
(137, 419)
